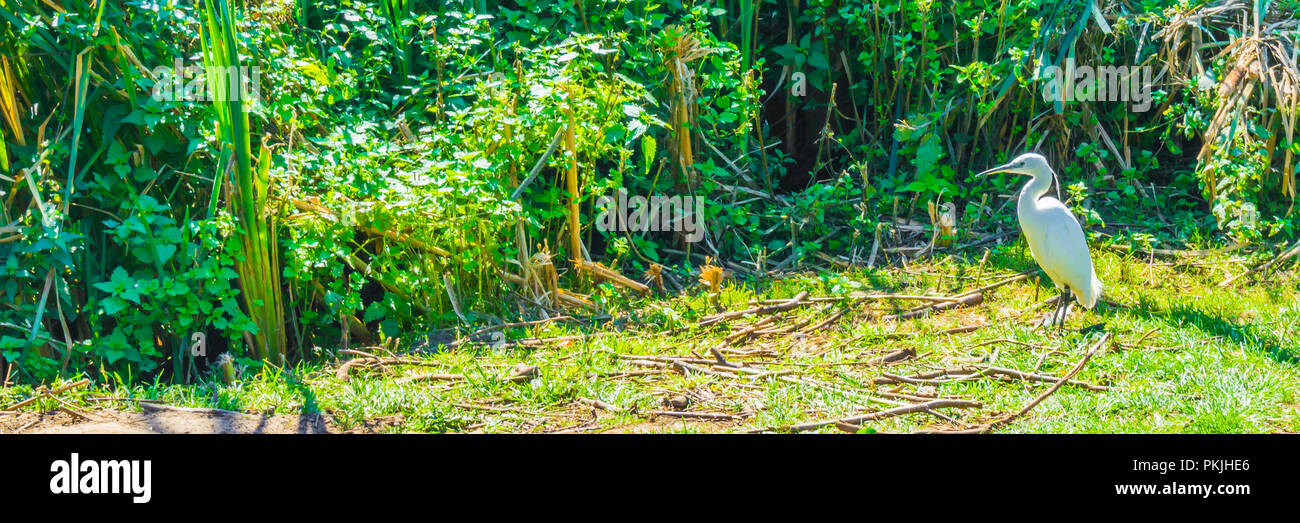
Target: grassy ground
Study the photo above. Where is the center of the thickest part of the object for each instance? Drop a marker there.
(1184, 356)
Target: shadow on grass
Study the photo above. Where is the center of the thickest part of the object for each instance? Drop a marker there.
(1213, 325)
(310, 420)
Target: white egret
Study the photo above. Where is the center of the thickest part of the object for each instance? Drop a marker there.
(1055, 238)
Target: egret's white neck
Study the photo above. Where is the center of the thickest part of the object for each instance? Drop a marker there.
(1035, 189)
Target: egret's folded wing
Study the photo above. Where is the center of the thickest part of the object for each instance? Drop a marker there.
(1068, 252)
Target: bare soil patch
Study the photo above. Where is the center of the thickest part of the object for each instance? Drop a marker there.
(172, 420)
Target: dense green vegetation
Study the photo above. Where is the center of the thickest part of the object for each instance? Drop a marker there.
(397, 167)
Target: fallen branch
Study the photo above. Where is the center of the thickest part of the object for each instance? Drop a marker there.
(893, 357)
(988, 427)
(303, 205)
(739, 336)
(1124, 247)
(48, 393)
(1289, 253)
(965, 301)
(1013, 373)
(471, 338)
(887, 413)
(429, 377)
(973, 371)
(693, 415)
(537, 167)
(683, 367)
(1000, 283)
(769, 309)
(369, 360)
(608, 274)
(599, 404)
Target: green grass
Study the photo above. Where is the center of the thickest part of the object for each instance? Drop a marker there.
(1221, 360)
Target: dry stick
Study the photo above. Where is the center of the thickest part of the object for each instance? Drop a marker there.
(608, 274)
(1005, 340)
(485, 330)
(427, 377)
(66, 407)
(893, 357)
(973, 372)
(992, 286)
(835, 387)
(908, 397)
(118, 398)
(894, 378)
(722, 360)
(50, 393)
(683, 367)
(1123, 247)
(1265, 266)
(356, 352)
(451, 295)
(875, 247)
(1138, 344)
(627, 374)
(966, 301)
(887, 413)
(344, 372)
(782, 307)
(303, 205)
(971, 328)
(693, 415)
(648, 360)
(1013, 373)
(761, 373)
(599, 404)
(537, 167)
(833, 317)
(861, 297)
(740, 336)
(989, 239)
(987, 427)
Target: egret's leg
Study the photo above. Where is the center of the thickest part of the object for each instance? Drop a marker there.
(1067, 300)
(1058, 317)
(1051, 317)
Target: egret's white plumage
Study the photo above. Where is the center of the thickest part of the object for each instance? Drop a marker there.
(1055, 238)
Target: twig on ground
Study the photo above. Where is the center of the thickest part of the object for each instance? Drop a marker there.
(42, 393)
(429, 377)
(796, 301)
(988, 427)
(599, 404)
(693, 415)
(882, 414)
(965, 301)
(1287, 254)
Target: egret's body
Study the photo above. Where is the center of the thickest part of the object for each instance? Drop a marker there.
(1055, 237)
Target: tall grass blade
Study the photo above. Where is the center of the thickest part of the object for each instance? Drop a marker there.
(259, 268)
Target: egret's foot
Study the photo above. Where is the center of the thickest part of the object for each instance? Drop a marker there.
(1048, 320)
(1056, 317)
(1053, 320)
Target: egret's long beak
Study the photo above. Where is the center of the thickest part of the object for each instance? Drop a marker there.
(995, 170)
